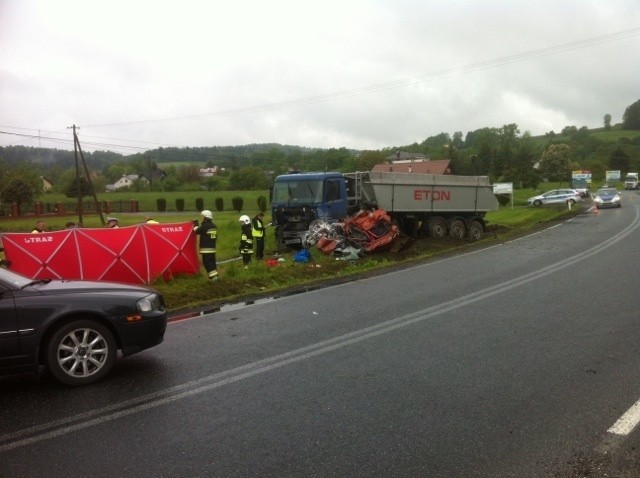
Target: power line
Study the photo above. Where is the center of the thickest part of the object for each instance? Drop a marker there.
(343, 94)
(399, 83)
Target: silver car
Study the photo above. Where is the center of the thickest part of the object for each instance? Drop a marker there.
(607, 197)
(556, 196)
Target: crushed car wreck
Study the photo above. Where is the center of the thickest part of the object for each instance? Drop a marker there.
(365, 232)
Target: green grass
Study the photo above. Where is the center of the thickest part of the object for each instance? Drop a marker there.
(237, 283)
(147, 201)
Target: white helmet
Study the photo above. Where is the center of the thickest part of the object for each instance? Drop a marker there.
(206, 213)
(245, 219)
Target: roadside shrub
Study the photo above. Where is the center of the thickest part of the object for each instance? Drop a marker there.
(161, 204)
(199, 204)
(219, 202)
(503, 199)
(237, 203)
(262, 203)
(180, 204)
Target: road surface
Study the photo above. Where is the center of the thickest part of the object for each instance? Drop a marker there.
(517, 360)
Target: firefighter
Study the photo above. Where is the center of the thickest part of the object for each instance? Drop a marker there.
(113, 223)
(208, 234)
(246, 240)
(39, 227)
(257, 230)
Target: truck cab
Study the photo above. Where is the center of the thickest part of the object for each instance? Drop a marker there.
(580, 185)
(631, 181)
(298, 199)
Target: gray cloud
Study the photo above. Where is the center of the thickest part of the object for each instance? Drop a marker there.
(359, 74)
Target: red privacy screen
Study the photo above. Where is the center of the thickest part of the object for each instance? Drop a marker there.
(134, 254)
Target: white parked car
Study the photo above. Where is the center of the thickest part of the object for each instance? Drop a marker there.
(556, 196)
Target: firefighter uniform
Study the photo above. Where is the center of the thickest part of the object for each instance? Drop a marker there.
(246, 240)
(208, 234)
(257, 230)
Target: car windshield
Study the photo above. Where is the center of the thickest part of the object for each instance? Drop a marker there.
(12, 278)
(303, 191)
(606, 192)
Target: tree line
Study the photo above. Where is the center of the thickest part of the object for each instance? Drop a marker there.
(504, 154)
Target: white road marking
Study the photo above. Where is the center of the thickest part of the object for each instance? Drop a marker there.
(627, 422)
(112, 412)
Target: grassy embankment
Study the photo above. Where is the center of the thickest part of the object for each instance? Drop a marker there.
(237, 283)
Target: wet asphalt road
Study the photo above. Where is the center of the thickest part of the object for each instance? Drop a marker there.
(511, 361)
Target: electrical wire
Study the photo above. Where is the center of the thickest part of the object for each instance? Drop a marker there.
(363, 90)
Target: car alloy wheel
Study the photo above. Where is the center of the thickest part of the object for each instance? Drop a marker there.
(81, 352)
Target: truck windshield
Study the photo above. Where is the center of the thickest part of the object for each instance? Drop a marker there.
(298, 191)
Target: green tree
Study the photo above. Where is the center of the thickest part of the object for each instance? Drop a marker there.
(114, 172)
(620, 160)
(247, 178)
(189, 173)
(78, 187)
(20, 184)
(607, 122)
(523, 161)
(457, 141)
(366, 160)
(555, 163)
(631, 117)
(507, 144)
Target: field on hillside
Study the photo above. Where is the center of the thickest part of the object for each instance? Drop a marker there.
(120, 201)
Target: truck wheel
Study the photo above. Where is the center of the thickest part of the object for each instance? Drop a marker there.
(457, 229)
(437, 227)
(476, 230)
(81, 352)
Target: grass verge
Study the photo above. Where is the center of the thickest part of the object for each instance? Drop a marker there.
(239, 284)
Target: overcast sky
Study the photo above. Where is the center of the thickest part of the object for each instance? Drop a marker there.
(136, 75)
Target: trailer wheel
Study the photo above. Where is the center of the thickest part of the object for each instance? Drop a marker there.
(476, 230)
(457, 229)
(437, 227)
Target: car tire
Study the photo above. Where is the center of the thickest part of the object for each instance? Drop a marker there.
(537, 203)
(81, 352)
(571, 202)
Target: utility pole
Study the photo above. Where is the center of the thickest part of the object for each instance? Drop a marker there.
(77, 148)
(78, 188)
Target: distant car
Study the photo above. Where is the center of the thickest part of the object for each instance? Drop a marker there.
(556, 196)
(74, 328)
(607, 197)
